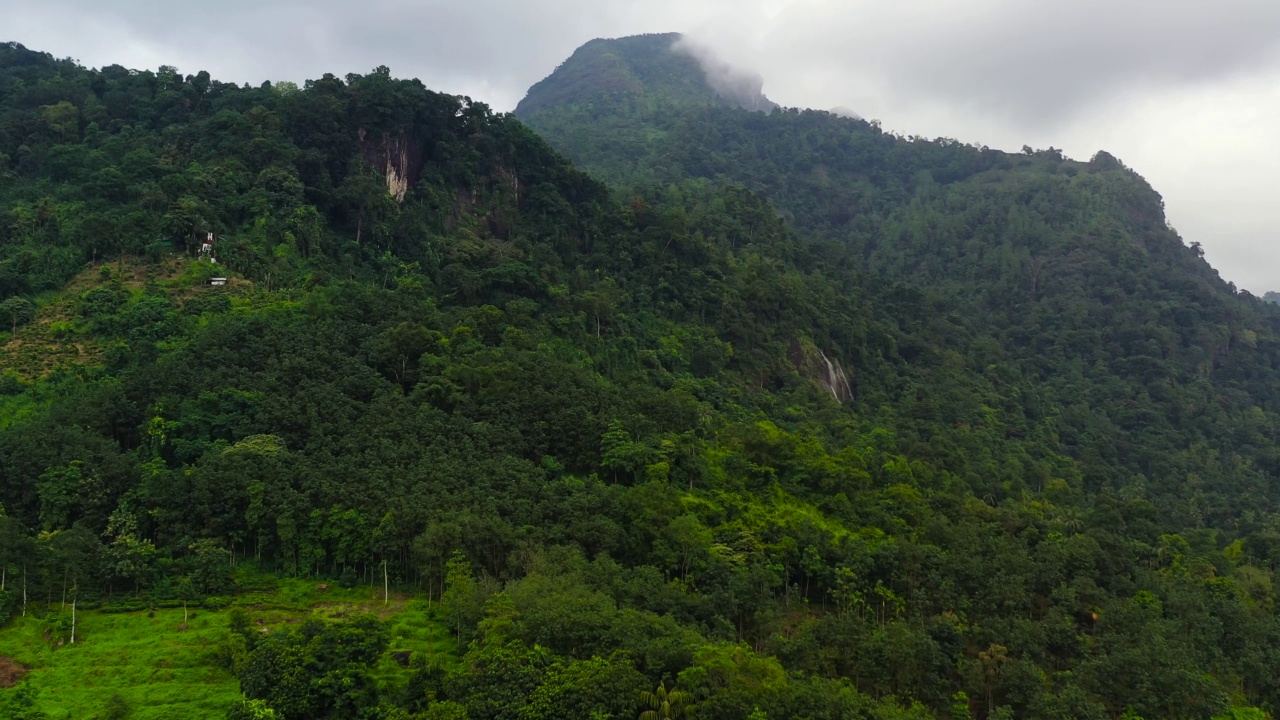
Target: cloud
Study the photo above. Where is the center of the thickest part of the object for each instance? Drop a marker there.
(1179, 89)
(731, 82)
(1038, 61)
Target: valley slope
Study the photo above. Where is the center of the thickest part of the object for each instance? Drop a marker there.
(799, 417)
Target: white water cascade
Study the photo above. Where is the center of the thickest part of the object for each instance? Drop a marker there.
(837, 381)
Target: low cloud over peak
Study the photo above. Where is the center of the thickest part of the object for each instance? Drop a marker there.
(730, 81)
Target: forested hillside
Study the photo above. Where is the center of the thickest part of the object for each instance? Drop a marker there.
(1061, 274)
(962, 435)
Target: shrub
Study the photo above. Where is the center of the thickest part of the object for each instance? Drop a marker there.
(216, 602)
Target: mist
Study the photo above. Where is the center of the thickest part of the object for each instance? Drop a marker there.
(729, 81)
(1195, 123)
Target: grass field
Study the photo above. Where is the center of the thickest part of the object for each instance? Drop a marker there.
(163, 672)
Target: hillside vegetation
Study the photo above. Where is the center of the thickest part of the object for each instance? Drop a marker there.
(1061, 277)
(177, 661)
(918, 431)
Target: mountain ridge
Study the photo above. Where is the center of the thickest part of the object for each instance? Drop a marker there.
(793, 418)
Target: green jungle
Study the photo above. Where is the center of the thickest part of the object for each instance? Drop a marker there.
(355, 400)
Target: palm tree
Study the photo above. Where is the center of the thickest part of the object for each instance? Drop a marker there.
(664, 705)
(1071, 520)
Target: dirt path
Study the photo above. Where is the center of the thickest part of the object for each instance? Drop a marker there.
(10, 672)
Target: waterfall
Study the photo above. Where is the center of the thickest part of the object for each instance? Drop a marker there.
(837, 381)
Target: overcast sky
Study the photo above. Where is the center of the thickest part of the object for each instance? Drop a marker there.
(1185, 92)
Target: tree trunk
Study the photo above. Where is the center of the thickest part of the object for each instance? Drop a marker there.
(73, 621)
(386, 584)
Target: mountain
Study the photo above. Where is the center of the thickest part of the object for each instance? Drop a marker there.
(778, 415)
(1064, 274)
(1272, 297)
(599, 92)
(646, 70)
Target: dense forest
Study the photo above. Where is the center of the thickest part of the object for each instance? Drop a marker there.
(773, 416)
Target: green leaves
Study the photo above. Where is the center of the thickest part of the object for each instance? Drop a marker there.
(662, 704)
(61, 491)
(461, 600)
(18, 311)
(596, 429)
(319, 671)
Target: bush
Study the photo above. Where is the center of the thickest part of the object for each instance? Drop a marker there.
(61, 330)
(103, 301)
(11, 382)
(21, 704)
(118, 355)
(126, 606)
(117, 709)
(251, 710)
(214, 302)
(56, 627)
(217, 602)
(348, 578)
(231, 652)
(8, 606)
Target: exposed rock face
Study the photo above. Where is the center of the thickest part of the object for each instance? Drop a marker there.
(836, 380)
(397, 156)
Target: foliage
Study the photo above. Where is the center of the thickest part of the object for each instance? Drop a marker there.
(316, 671)
(809, 420)
(662, 705)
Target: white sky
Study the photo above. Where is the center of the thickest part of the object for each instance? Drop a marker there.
(1180, 90)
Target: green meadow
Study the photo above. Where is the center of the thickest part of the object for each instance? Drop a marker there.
(146, 666)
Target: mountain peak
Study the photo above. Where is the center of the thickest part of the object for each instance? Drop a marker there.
(660, 67)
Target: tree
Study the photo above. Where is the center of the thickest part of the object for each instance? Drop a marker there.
(319, 671)
(445, 710)
(590, 688)
(365, 193)
(620, 452)
(662, 704)
(14, 547)
(62, 118)
(461, 599)
(186, 216)
(71, 557)
(18, 310)
(993, 660)
(208, 567)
